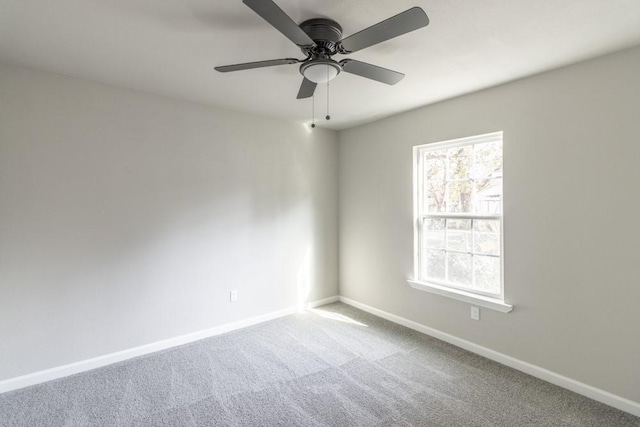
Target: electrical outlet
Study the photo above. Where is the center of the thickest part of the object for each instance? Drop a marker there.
(475, 313)
(233, 295)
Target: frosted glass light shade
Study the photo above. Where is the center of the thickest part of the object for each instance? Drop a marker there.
(320, 72)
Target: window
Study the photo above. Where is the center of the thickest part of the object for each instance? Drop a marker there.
(458, 219)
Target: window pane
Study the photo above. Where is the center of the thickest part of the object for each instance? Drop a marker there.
(433, 267)
(487, 273)
(435, 197)
(459, 268)
(459, 234)
(488, 160)
(459, 162)
(460, 196)
(433, 233)
(486, 235)
(434, 176)
(435, 164)
(488, 197)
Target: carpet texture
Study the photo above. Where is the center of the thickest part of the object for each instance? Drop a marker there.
(332, 366)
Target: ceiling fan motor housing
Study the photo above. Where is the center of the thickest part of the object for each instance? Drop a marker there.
(326, 33)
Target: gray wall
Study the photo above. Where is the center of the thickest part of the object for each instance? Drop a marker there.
(126, 218)
(572, 228)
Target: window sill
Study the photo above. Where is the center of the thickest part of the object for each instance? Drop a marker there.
(482, 301)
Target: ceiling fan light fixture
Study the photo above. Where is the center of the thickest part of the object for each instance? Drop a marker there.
(319, 71)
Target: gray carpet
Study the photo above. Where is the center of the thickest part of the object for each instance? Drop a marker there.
(334, 366)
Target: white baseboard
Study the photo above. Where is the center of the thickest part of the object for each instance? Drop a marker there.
(322, 302)
(108, 359)
(533, 370)
(536, 371)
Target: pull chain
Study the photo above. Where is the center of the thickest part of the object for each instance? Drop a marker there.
(313, 110)
(328, 117)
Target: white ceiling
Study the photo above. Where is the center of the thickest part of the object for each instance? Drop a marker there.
(170, 47)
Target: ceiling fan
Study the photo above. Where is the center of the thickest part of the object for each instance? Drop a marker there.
(320, 39)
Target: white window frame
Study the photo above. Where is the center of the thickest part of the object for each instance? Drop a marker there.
(488, 300)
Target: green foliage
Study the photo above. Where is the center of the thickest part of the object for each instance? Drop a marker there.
(464, 179)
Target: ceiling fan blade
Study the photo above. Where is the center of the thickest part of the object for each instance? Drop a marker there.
(306, 89)
(275, 16)
(397, 25)
(372, 72)
(258, 64)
